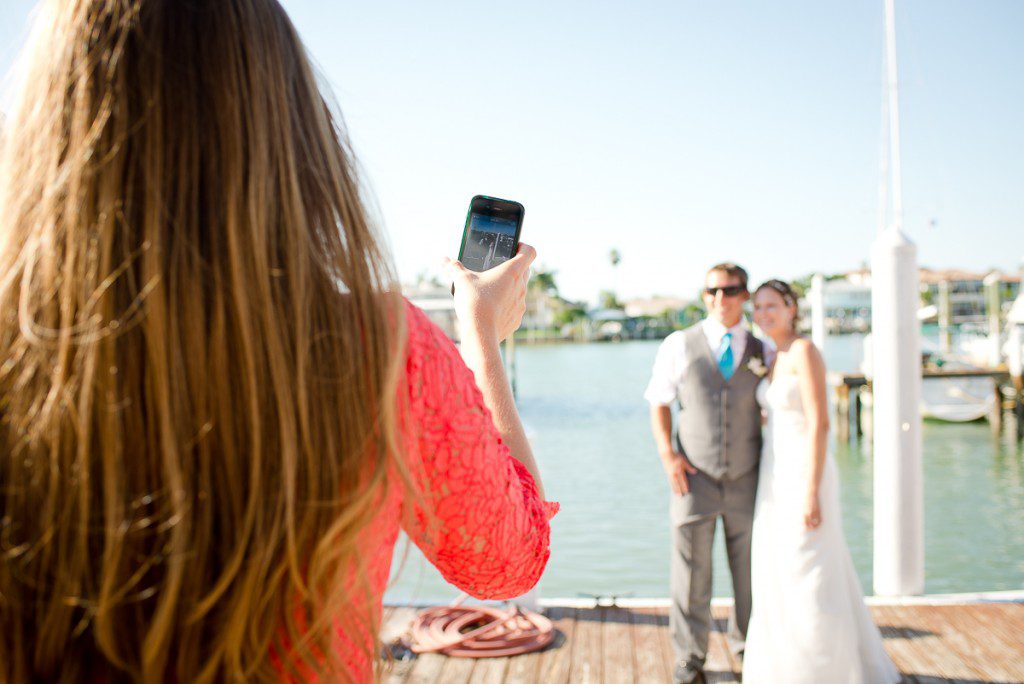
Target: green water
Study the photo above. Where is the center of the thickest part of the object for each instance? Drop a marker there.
(584, 408)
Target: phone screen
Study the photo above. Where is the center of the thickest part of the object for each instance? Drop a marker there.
(491, 240)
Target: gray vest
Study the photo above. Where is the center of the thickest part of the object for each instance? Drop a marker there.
(719, 423)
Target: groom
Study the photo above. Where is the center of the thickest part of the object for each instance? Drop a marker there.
(712, 370)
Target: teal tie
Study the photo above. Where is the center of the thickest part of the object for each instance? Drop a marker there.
(725, 357)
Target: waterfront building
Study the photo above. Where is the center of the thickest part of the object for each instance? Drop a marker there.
(548, 314)
(848, 298)
(657, 307)
(967, 292)
(847, 307)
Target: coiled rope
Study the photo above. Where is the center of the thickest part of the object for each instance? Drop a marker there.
(479, 631)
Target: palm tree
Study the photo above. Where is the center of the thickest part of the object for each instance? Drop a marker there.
(539, 290)
(544, 281)
(615, 257)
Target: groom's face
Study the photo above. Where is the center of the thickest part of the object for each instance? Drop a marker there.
(726, 309)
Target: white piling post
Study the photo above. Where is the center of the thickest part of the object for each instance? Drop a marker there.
(896, 360)
(510, 365)
(896, 335)
(1015, 344)
(816, 295)
(945, 318)
(993, 313)
(1014, 356)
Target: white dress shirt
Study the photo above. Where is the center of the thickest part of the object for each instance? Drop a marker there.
(671, 363)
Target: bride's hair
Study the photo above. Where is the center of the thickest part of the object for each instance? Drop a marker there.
(200, 350)
(787, 293)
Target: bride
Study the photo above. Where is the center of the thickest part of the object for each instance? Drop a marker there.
(809, 622)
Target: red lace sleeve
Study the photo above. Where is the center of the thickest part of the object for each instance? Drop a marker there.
(480, 519)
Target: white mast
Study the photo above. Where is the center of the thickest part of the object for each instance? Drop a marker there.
(898, 482)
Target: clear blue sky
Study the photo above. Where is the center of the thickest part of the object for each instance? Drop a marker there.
(682, 133)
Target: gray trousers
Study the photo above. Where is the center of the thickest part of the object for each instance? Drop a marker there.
(694, 516)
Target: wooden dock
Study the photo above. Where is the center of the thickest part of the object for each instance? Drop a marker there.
(930, 644)
(847, 401)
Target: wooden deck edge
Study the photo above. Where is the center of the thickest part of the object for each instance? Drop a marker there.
(1014, 596)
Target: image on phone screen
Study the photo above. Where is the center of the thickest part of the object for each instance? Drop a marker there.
(491, 241)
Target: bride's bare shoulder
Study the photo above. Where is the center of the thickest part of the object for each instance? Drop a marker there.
(805, 352)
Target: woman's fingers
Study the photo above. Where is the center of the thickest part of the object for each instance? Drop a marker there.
(526, 253)
(454, 269)
(495, 298)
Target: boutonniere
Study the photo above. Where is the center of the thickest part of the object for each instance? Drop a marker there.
(757, 367)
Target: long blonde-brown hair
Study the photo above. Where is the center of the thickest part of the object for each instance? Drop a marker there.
(200, 345)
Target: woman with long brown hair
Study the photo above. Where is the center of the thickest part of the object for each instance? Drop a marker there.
(215, 408)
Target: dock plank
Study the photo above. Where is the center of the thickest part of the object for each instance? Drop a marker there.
(489, 671)
(618, 653)
(426, 669)
(970, 641)
(666, 646)
(555, 664)
(1000, 640)
(649, 655)
(1004, 620)
(523, 669)
(930, 644)
(586, 655)
(457, 670)
(720, 665)
(929, 659)
(895, 640)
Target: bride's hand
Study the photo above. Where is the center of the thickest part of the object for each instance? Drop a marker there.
(812, 511)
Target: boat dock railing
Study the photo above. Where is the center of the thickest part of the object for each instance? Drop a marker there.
(848, 399)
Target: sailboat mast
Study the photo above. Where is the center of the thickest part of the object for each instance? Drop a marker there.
(892, 91)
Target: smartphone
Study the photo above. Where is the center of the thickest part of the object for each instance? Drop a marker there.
(491, 235)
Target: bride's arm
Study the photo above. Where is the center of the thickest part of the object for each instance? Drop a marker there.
(811, 373)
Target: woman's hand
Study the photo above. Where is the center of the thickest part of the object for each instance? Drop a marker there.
(812, 511)
(490, 305)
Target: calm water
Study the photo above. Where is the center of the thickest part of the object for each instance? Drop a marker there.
(583, 405)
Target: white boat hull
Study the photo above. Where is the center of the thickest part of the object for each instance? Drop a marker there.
(958, 400)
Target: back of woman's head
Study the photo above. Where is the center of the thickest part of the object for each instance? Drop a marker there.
(198, 350)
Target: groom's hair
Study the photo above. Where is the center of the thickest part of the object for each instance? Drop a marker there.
(729, 269)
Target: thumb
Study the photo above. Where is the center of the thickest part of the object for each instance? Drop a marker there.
(453, 268)
(524, 256)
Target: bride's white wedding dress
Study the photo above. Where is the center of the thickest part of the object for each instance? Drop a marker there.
(809, 622)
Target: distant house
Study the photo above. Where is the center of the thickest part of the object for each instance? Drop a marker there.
(655, 306)
(668, 313)
(609, 324)
(849, 298)
(545, 311)
(847, 306)
(967, 292)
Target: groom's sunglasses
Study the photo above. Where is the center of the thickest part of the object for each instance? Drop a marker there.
(728, 290)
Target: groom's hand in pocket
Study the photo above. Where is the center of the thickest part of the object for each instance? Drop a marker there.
(678, 469)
